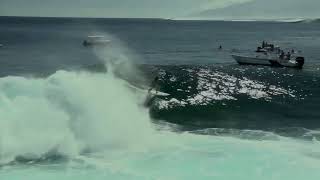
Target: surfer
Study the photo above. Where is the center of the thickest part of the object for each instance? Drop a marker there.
(151, 96)
(154, 84)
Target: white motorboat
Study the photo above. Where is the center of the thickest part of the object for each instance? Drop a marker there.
(95, 40)
(293, 62)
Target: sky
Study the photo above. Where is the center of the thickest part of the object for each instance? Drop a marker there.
(110, 8)
(176, 9)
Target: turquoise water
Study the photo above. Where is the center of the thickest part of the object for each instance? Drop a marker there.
(189, 157)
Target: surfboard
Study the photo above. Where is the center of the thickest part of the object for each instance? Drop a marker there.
(158, 93)
(152, 92)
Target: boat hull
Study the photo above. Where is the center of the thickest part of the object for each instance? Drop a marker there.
(244, 60)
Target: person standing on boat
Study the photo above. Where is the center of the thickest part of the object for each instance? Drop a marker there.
(258, 49)
(272, 47)
(281, 55)
(288, 56)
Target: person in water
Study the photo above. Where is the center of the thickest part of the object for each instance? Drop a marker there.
(154, 84)
(220, 47)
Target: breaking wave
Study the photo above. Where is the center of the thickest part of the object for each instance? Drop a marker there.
(70, 113)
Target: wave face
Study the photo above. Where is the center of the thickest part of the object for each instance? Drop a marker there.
(238, 97)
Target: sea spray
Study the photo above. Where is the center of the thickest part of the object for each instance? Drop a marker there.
(118, 59)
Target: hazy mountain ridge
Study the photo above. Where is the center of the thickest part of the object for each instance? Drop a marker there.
(261, 9)
(316, 20)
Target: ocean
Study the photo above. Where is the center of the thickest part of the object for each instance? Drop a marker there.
(73, 112)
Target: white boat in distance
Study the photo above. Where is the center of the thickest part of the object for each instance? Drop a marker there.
(294, 62)
(95, 40)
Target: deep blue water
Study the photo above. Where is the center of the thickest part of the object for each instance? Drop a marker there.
(34, 43)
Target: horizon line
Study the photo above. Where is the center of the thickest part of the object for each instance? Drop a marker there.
(172, 19)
